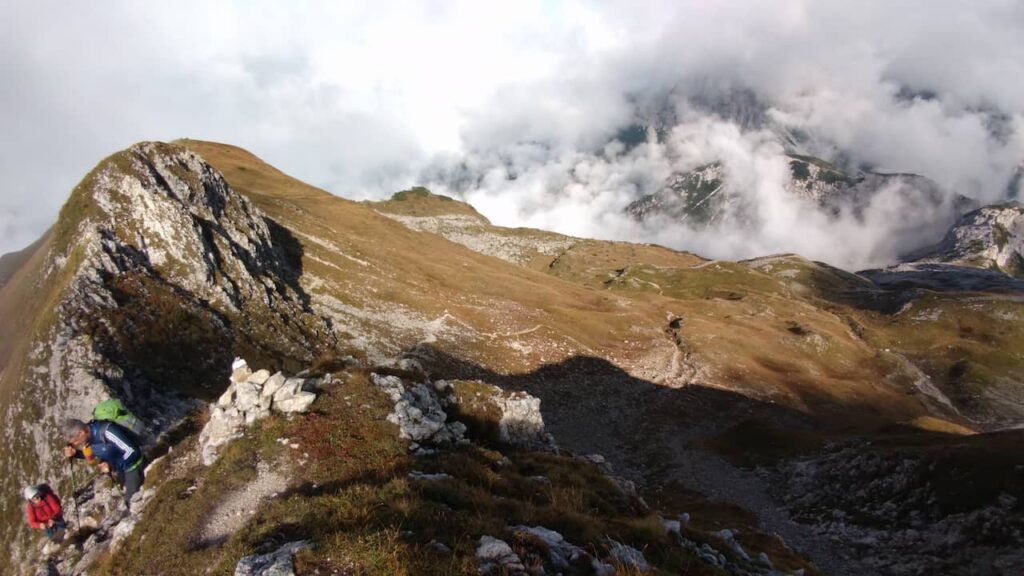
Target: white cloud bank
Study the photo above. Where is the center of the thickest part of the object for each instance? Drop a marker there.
(514, 105)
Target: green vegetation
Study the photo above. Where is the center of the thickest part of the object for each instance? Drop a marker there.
(421, 202)
(418, 192)
(350, 493)
(828, 173)
(799, 170)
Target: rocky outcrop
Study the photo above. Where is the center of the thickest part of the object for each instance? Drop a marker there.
(561, 555)
(252, 396)
(154, 273)
(991, 237)
(946, 510)
(628, 557)
(515, 415)
(97, 513)
(496, 557)
(418, 413)
(280, 562)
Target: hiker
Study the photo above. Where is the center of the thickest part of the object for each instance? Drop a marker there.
(114, 447)
(43, 511)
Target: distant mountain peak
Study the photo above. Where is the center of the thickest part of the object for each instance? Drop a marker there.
(990, 237)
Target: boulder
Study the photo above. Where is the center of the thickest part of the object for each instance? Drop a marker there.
(224, 426)
(277, 563)
(228, 397)
(561, 554)
(496, 557)
(298, 403)
(290, 388)
(257, 413)
(258, 377)
(729, 537)
(247, 396)
(272, 385)
(240, 371)
(521, 421)
(418, 412)
(672, 527)
(628, 557)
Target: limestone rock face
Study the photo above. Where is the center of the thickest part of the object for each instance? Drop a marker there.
(154, 258)
(991, 237)
(521, 421)
(517, 414)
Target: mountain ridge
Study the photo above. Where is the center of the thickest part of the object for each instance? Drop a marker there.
(608, 335)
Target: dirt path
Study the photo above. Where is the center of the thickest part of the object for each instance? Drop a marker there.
(237, 509)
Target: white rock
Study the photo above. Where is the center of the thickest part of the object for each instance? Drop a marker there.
(227, 397)
(295, 404)
(257, 413)
(277, 563)
(272, 385)
(418, 412)
(521, 421)
(496, 555)
(240, 371)
(561, 554)
(247, 396)
(730, 540)
(224, 426)
(258, 377)
(290, 388)
(627, 556)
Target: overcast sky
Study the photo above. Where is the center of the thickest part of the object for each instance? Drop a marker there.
(521, 99)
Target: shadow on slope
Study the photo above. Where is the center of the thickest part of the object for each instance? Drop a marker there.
(664, 439)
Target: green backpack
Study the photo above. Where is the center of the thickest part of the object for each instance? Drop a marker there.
(114, 411)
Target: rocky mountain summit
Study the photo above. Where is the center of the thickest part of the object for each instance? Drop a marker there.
(435, 390)
(990, 237)
(154, 269)
(706, 197)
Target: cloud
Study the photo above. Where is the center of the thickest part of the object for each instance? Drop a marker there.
(515, 106)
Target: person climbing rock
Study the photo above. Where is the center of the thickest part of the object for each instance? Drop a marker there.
(113, 447)
(43, 511)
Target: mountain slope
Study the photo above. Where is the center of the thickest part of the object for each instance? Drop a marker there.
(155, 274)
(171, 258)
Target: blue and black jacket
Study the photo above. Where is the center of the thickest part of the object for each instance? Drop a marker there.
(114, 445)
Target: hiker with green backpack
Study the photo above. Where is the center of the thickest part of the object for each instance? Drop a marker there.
(114, 411)
(113, 445)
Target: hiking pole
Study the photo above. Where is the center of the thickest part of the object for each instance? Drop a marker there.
(74, 494)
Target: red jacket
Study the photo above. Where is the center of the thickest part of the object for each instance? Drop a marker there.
(39, 513)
